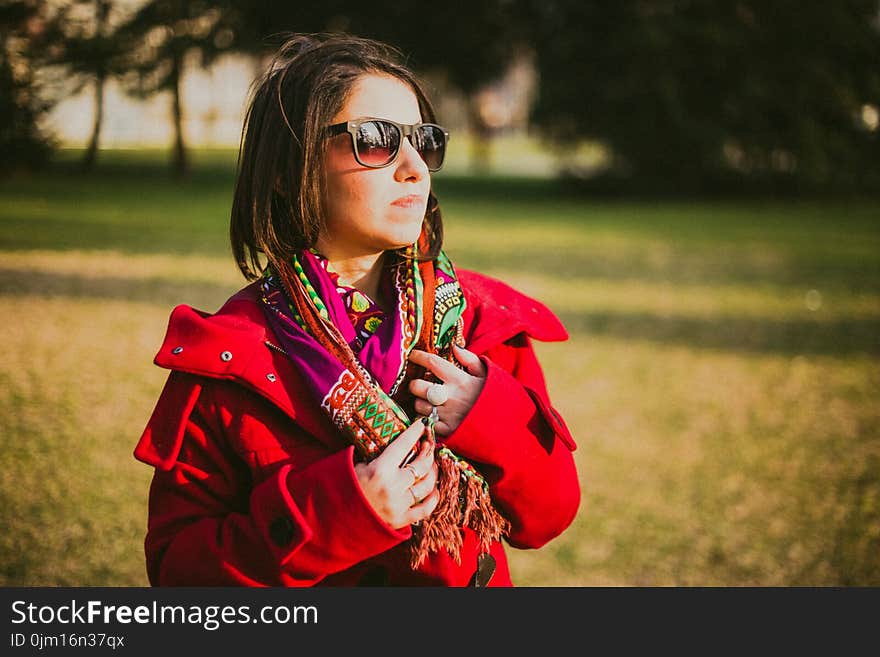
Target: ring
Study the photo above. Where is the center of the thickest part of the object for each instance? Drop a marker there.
(415, 474)
(437, 394)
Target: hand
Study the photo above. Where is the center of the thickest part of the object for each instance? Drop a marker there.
(399, 495)
(462, 388)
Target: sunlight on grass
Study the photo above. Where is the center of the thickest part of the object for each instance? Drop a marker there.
(708, 468)
(721, 379)
(104, 264)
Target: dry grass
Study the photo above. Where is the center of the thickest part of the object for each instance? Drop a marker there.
(727, 416)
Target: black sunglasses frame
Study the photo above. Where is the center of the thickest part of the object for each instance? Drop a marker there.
(352, 127)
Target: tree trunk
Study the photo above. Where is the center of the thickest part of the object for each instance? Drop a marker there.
(102, 12)
(481, 138)
(92, 150)
(180, 162)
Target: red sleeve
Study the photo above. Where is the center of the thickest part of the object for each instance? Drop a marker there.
(209, 525)
(521, 445)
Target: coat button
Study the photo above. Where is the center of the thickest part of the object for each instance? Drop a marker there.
(176, 350)
(271, 377)
(226, 356)
(281, 531)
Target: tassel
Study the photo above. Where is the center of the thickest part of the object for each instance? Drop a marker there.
(441, 528)
(483, 517)
(472, 492)
(464, 502)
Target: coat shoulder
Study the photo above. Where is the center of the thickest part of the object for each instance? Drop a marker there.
(497, 312)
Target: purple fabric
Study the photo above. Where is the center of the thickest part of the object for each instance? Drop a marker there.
(382, 354)
(325, 288)
(317, 365)
(364, 313)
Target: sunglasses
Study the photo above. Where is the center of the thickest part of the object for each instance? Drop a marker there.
(376, 142)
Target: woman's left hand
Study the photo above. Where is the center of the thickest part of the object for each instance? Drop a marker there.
(461, 388)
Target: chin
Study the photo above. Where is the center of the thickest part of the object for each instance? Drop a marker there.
(405, 235)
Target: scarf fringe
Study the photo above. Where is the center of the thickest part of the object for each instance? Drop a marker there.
(464, 502)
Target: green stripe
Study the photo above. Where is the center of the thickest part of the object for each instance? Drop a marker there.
(313, 295)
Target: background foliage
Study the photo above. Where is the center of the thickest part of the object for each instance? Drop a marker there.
(686, 96)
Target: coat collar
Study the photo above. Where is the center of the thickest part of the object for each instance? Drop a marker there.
(236, 344)
(496, 312)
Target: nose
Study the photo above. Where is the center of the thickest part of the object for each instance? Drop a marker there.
(410, 165)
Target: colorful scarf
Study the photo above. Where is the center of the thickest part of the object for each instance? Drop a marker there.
(365, 314)
(358, 379)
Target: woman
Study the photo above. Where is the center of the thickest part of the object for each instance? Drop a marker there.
(361, 413)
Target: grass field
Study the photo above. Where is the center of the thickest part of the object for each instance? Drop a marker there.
(721, 379)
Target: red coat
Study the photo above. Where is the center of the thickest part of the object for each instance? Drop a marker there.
(254, 486)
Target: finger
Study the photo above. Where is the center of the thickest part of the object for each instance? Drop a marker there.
(419, 387)
(470, 360)
(427, 450)
(400, 447)
(442, 429)
(421, 465)
(424, 508)
(422, 489)
(440, 367)
(425, 446)
(423, 408)
(405, 477)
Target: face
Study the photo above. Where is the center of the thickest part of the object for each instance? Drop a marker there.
(373, 210)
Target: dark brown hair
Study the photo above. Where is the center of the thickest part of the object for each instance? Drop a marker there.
(278, 207)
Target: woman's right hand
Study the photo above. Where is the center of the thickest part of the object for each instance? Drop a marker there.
(404, 495)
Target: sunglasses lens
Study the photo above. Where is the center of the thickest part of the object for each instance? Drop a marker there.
(377, 143)
(430, 142)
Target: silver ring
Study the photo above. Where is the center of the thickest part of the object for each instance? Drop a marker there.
(434, 416)
(437, 394)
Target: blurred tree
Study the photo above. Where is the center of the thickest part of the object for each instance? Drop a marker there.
(251, 27)
(471, 45)
(689, 93)
(90, 52)
(150, 48)
(26, 28)
(160, 36)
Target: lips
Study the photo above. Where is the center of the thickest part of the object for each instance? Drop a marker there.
(409, 201)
